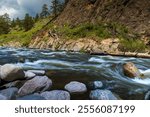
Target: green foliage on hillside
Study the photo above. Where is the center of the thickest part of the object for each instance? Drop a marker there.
(20, 35)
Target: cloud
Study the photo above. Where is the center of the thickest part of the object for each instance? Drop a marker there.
(18, 8)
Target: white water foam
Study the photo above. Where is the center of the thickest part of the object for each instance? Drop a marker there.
(94, 59)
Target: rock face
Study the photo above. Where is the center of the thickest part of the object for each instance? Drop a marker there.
(9, 93)
(76, 87)
(11, 72)
(56, 95)
(130, 70)
(37, 84)
(102, 95)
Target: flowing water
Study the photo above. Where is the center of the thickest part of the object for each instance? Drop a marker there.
(63, 67)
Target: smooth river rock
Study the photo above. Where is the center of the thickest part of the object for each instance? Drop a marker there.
(2, 97)
(96, 85)
(29, 74)
(31, 97)
(37, 84)
(102, 95)
(56, 95)
(130, 70)
(37, 72)
(9, 93)
(76, 87)
(11, 72)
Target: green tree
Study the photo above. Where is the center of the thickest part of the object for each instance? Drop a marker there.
(36, 17)
(56, 7)
(28, 22)
(45, 11)
(4, 24)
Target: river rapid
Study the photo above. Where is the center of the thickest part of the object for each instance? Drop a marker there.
(63, 67)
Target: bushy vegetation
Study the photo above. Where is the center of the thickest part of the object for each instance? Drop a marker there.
(22, 36)
(132, 45)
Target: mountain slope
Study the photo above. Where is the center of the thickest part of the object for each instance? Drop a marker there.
(134, 14)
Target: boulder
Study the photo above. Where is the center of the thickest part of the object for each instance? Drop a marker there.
(31, 97)
(56, 95)
(11, 72)
(95, 85)
(9, 93)
(76, 87)
(102, 95)
(2, 97)
(37, 72)
(37, 84)
(130, 70)
(29, 74)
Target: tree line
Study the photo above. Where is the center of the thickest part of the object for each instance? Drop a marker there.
(53, 9)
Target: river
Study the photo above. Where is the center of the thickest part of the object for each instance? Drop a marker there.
(63, 67)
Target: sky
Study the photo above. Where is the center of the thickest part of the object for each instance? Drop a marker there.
(18, 8)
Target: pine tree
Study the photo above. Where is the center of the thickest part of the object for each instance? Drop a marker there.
(45, 11)
(28, 22)
(4, 24)
(36, 17)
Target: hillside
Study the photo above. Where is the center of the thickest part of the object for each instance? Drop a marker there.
(134, 14)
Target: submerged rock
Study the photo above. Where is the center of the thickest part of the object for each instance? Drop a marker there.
(130, 70)
(56, 95)
(31, 97)
(11, 72)
(37, 84)
(95, 85)
(37, 72)
(76, 87)
(9, 93)
(102, 95)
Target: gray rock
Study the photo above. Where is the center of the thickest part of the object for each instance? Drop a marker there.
(37, 84)
(31, 97)
(2, 97)
(56, 95)
(130, 70)
(102, 95)
(95, 85)
(11, 72)
(38, 72)
(9, 93)
(76, 87)
(147, 96)
(29, 75)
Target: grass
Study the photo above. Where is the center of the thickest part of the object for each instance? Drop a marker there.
(132, 45)
(19, 35)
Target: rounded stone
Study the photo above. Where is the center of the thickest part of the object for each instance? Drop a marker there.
(56, 95)
(102, 95)
(76, 87)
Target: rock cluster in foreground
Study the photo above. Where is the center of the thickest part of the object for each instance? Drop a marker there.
(18, 84)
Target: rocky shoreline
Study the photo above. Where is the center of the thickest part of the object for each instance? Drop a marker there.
(17, 84)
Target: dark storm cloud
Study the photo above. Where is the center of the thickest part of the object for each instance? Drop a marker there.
(17, 8)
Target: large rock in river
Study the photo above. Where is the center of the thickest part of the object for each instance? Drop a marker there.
(102, 95)
(56, 95)
(11, 72)
(37, 84)
(130, 70)
(76, 87)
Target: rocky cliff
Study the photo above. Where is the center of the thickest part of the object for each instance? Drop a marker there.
(134, 14)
